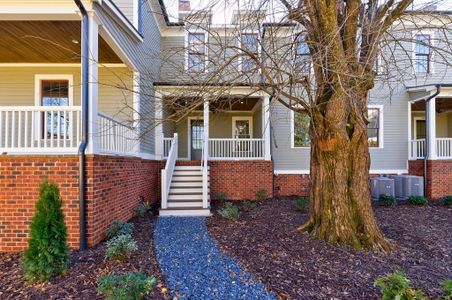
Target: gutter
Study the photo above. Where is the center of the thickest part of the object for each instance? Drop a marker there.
(427, 150)
(84, 133)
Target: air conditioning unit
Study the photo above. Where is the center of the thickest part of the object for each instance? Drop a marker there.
(382, 185)
(408, 185)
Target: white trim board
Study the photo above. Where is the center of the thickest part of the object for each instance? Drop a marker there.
(57, 65)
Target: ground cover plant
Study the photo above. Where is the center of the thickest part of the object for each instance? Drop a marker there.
(229, 211)
(417, 200)
(301, 203)
(126, 286)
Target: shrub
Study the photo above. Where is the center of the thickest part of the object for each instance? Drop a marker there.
(417, 200)
(447, 289)
(118, 228)
(142, 209)
(249, 205)
(221, 196)
(397, 286)
(301, 203)
(48, 252)
(121, 247)
(387, 200)
(229, 211)
(261, 195)
(447, 201)
(125, 286)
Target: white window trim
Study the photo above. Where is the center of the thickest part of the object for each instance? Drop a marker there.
(242, 118)
(294, 50)
(432, 55)
(206, 54)
(292, 133)
(380, 107)
(259, 50)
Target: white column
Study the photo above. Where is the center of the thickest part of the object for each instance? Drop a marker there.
(205, 195)
(158, 126)
(93, 46)
(430, 117)
(266, 126)
(136, 110)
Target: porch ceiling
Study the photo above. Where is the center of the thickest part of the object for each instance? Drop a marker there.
(219, 104)
(46, 42)
(442, 105)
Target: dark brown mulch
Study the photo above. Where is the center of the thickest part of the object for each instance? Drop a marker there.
(84, 269)
(295, 266)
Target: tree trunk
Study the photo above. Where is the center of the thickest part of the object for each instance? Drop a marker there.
(341, 209)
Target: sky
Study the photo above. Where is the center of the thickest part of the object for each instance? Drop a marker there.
(222, 10)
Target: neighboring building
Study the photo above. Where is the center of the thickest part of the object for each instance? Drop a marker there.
(253, 143)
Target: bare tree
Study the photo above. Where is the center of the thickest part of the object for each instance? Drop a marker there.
(318, 58)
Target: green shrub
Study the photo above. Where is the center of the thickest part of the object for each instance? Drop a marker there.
(249, 205)
(447, 201)
(301, 203)
(387, 200)
(417, 200)
(48, 252)
(229, 211)
(261, 195)
(121, 247)
(118, 228)
(221, 196)
(142, 209)
(447, 289)
(133, 286)
(397, 286)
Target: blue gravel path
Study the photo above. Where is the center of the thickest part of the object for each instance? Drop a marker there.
(195, 268)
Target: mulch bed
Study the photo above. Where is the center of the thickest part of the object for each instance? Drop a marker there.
(84, 269)
(295, 266)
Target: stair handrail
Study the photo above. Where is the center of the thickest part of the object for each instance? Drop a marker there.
(167, 173)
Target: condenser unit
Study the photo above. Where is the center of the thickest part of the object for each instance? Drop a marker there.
(382, 186)
(408, 185)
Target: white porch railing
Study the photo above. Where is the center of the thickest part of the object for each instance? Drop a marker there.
(236, 149)
(166, 146)
(167, 173)
(116, 136)
(40, 129)
(444, 147)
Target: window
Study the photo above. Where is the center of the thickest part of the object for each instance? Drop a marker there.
(373, 128)
(302, 55)
(422, 53)
(250, 44)
(301, 130)
(196, 52)
(54, 93)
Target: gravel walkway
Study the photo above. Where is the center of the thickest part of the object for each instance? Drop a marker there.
(194, 266)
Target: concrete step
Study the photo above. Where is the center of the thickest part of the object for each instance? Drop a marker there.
(185, 212)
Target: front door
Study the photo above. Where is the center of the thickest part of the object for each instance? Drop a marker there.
(197, 137)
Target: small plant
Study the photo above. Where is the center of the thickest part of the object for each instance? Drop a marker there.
(397, 286)
(118, 228)
(127, 286)
(447, 289)
(221, 196)
(447, 201)
(387, 200)
(229, 211)
(249, 205)
(261, 195)
(301, 203)
(48, 252)
(142, 209)
(417, 200)
(121, 247)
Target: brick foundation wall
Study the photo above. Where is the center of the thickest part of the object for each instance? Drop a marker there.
(115, 185)
(20, 177)
(439, 176)
(291, 185)
(240, 180)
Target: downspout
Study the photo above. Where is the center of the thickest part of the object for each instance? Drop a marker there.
(427, 150)
(84, 137)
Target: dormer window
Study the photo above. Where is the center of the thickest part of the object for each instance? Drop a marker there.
(302, 55)
(196, 52)
(422, 53)
(250, 46)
